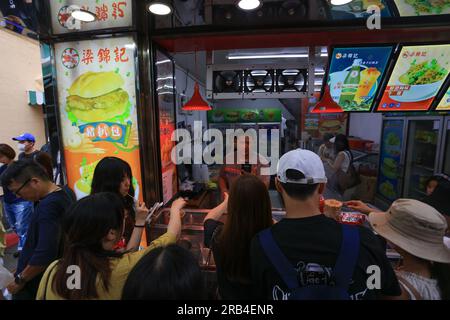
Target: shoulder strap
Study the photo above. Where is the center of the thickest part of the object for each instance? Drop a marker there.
(412, 291)
(283, 266)
(348, 256)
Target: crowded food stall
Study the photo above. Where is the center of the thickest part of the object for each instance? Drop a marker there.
(297, 76)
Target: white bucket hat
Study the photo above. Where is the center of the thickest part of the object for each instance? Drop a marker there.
(415, 227)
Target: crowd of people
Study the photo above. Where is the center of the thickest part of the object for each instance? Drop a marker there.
(90, 248)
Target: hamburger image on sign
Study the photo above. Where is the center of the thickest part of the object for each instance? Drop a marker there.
(330, 126)
(97, 96)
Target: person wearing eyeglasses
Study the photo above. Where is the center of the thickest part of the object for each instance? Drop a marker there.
(30, 181)
(17, 210)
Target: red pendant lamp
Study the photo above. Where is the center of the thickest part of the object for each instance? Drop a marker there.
(196, 103)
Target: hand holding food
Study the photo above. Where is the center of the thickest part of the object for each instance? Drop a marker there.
(332, 208)
(359, 206)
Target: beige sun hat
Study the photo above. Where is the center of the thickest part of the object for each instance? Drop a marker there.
(415, 227)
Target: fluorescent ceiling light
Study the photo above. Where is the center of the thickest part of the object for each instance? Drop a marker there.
(249, 4)
(163, 79)
(340, 2)
(324, 54)
(319, 73)
(268, 56)
(160, 8)
(83, 15)
(163, 61)
(318, 83)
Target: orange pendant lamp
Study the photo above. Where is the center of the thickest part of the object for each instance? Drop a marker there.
(197, 103)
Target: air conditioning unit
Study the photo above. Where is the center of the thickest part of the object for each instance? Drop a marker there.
(280, 81)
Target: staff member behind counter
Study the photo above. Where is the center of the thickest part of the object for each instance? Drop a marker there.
(231, 171)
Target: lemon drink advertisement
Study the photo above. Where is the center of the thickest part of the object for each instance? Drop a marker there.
(355, 75)
(391, 148)
(418, 75)
(97, 107)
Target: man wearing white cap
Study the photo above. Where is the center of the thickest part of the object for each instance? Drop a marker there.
(312, 251)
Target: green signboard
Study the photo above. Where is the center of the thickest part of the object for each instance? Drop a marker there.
(244, 115)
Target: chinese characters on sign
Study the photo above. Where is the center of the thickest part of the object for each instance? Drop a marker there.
(355, 75)
(110, 14)
(417, 77)
(97, 93)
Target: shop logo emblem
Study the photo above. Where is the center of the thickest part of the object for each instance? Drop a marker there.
(70, 58)
(338, 55)
(66, 20)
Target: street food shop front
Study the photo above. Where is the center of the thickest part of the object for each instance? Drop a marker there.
(124, 83)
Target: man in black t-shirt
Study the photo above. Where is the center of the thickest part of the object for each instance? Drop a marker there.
(311, 242)
(30, 181)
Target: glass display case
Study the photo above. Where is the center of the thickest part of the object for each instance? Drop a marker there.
(422, 146)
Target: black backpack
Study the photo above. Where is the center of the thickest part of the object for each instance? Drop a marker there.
(342, 271)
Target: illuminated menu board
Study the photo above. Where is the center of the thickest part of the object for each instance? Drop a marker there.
(109, 14)
(418, 75)
(96, 83)
(355, 75)
(444, 104)
(412, 8)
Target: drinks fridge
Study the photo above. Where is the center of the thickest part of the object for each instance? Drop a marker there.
(413, 149)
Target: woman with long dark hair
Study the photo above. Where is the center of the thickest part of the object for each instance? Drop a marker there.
(92, 229)
(166, 273)
(114, 175)
(249, 211)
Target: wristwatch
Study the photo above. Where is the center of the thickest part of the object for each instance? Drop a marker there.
(18, 279)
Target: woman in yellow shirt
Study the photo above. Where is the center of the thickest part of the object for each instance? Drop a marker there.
(90, 268)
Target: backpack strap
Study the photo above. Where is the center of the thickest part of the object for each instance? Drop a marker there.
(283, 266)
(348, 256)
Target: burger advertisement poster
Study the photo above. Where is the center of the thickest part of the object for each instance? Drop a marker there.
(110, 14)
(97, 105)
(355, 76)
(417, 77)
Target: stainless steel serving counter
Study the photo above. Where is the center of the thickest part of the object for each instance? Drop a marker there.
(192, 232)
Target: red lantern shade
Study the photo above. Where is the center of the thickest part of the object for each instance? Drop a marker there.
(196, 103)
(327, 104)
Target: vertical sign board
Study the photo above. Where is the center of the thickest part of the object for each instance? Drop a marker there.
(96, 85)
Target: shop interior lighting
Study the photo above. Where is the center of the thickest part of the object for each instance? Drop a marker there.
(249, 4)
(83, 15)
(160, 8)
(340, 2)
(267, 56)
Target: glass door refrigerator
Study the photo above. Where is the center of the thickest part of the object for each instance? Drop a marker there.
(444, 159)
(413, 148)
(422, 154)
(392, 155)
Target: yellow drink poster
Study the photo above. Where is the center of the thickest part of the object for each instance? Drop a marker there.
(355, 75)
(97, 107)
(445, 102)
